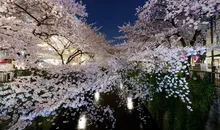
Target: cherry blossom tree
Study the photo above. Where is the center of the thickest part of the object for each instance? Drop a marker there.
(187, 19)
(32, 29)
(52, 27)
(26, 26)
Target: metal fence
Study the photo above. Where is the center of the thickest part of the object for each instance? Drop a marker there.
(201, 75)
(6, 76)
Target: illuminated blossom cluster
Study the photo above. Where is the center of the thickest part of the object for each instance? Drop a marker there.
(185, 19)
(169, 66)
(48, 29)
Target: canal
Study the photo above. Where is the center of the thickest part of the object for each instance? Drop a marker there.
(113, 110)
(117, 111)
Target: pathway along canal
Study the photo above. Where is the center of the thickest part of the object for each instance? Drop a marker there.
(127, 115)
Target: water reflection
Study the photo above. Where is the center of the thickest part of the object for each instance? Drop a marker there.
(141, 126)
(97, 96)
(121, 86)
(130, 103)
(107, 114)
(82, 122)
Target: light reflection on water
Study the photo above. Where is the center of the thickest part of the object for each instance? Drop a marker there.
(105, 114)
(121, 86)
(97, 96)
(141, 126)
(82, 122)
(130, 103)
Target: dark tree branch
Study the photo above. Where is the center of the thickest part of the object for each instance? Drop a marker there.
(196, 34)
(38, 22)
(70, 58)
(183, 42)
(178, 34)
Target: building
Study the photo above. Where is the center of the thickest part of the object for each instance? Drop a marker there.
(55, 46)
(205, 63)
(6, 67)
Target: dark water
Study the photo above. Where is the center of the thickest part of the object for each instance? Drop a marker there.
(213, 122)
(137, 118)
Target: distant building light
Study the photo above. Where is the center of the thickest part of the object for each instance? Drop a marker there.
(5, 61)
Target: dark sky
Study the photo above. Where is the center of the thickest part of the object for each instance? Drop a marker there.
(111, 13)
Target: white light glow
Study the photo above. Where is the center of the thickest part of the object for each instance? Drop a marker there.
(130, 103)
(82, 122)
(121, 86)
(43, 45)
(53, 61)
(97, 96)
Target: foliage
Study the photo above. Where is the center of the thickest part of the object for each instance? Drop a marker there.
(173, 115)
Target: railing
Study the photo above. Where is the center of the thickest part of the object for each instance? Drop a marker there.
(201, 75)
(6, 76)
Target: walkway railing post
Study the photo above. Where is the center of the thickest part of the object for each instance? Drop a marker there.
(212, 40)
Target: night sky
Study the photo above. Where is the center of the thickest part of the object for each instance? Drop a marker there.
(109, 14)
